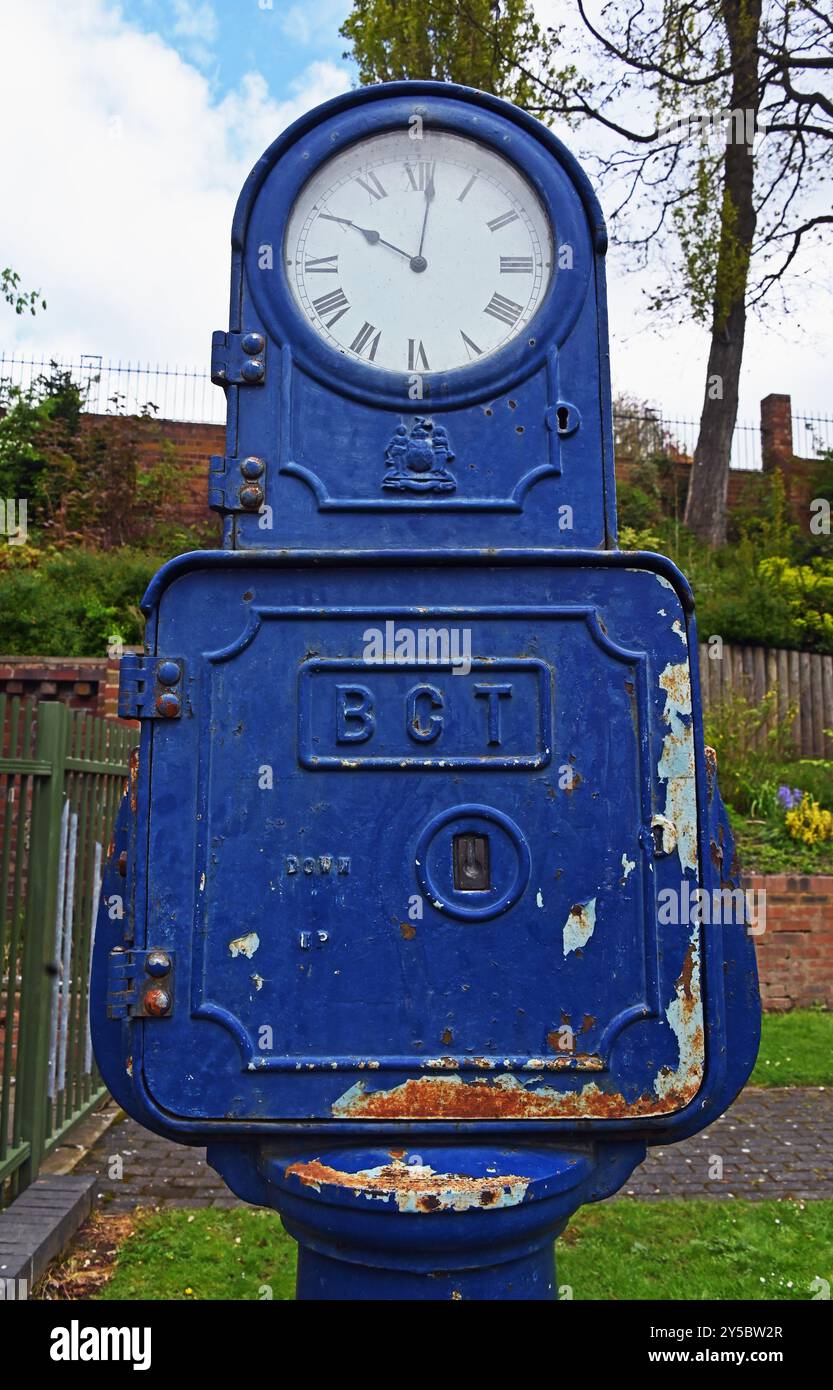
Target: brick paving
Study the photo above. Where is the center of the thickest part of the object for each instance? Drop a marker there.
(772, 1143)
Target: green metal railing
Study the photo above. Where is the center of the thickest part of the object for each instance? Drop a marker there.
(62, 774)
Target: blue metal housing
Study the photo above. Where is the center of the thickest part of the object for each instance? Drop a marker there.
(359, 703)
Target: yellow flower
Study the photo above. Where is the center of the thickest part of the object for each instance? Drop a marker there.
(809, 822)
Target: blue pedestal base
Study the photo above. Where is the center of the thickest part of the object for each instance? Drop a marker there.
(433, 1222)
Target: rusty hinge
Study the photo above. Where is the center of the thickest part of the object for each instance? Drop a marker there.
(150, 687)
(140, 984)
(238, 359)
(236, 485)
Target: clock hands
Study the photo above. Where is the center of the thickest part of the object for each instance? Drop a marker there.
(373, 238)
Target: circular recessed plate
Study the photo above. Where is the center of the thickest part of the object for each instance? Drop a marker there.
(509, 862)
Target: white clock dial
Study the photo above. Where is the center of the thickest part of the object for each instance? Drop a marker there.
(418, 255)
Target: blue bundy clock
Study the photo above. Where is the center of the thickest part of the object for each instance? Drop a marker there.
(421, 749)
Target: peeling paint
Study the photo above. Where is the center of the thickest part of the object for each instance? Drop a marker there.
(416, 1187)
(677, 627)
(579, 926)
(245, 945)
(539, 898)
(676, 765)
(685, 1017)
(628, 865)
(668, 833)
(257, 981)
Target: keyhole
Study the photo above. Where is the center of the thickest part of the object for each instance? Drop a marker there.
(563, 419)
(471, 863)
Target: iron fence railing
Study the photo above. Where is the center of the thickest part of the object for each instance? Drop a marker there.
(187, 393)
(62, 772)
(168, 392)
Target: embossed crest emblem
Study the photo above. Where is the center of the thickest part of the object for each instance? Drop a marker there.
(417, 462)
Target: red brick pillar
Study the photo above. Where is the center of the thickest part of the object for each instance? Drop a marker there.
(776, 433)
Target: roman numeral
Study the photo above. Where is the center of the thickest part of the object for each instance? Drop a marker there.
(417, 360)
(323, 265)
(363, 337)
(516, 265)
(372, 186)
(420, 175)
(471, 348)
(504, 309)
(335, 303)
(472, 181)
(502, 221)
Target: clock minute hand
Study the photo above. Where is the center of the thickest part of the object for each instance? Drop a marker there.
(429, 195)
(371, 237)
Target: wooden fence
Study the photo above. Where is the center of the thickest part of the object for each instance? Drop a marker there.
(802, 679)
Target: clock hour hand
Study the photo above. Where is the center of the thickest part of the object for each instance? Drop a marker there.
(371, 237)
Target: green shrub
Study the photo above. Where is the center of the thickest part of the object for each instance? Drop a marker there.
(748, 752)
(72, 603)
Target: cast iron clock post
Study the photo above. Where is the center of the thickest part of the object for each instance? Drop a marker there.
(422, 800)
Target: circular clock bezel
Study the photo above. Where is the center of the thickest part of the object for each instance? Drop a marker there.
(477, 381)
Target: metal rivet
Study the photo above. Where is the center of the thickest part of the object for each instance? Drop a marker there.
(168, 705)
(252, 467)
(158, 1001)
(251, 496)
(168, 672)
(252, 370)
(157, 963)
(253, 343)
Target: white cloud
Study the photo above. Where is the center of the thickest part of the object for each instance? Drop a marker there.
(121, 179)
(196, 24)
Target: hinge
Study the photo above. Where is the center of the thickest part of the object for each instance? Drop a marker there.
(236, 485)
(140, 984)
(238, 359)
(150, 687)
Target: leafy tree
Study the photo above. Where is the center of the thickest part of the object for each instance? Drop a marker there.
(713, 129)
(497, 48)
(94, 481)
(18, 299)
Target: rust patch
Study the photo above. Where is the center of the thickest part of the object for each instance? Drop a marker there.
(133, 778)
(416, 1187)
(447, 1037)
(408, 930)
(436, 1098)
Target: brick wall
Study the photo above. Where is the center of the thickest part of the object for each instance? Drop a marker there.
(776, 452)
(89, 683)
(75, 681)
(795, 953)
(193, 444)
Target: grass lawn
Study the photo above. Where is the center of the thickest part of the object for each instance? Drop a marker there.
(616, 1250)
(796, 1050)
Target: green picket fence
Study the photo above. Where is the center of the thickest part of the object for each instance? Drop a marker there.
(62, 774)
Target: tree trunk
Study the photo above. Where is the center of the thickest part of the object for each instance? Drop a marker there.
(705, 511)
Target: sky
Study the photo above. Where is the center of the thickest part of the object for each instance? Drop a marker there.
(133, 128)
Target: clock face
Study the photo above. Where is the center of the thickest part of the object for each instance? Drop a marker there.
(418, 255)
